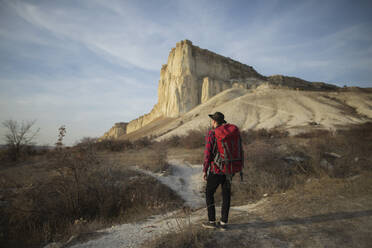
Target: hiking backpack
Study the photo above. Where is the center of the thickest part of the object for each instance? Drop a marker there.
(229, 157)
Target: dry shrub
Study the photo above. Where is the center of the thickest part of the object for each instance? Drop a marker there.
(4, 157)
(313, 134)
(154, 160)
(265, 172)
(115, 145)
(352, 148)
(142, 143)
(82, 192)
(171, 142)
(193, 139)
(25, 153)
(250, 136)
(112, 145)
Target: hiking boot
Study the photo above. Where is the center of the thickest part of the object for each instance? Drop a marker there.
(222, 226)
(209, 224)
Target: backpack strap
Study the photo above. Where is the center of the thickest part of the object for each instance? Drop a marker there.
(217, 161)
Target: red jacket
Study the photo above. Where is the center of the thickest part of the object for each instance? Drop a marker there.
(209, 154)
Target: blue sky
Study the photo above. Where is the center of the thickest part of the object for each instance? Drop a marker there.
(88, 64)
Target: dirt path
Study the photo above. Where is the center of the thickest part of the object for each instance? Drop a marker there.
(186, 180)
(333, 217)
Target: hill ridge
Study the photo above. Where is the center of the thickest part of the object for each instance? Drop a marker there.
(194, 75)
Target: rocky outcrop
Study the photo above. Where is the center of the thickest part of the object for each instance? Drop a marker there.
(191, 69)
(193, 75)
(143, 120)
(116, 131)
(298, 83)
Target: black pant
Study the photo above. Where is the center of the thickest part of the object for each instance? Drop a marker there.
(213, 181)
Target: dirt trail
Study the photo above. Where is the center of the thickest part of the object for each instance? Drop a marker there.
(186, 180)
(304, 217)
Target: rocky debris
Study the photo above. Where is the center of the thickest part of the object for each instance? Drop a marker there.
(328, 159)
(326, 165)
(353, 178)
(313, 123)
(291, 159)
(332, 155)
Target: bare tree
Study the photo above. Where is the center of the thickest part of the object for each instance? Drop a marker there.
(19, 135)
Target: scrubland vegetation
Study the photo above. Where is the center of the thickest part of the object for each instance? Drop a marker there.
(74, 191)
(276, 163)
(53, 194)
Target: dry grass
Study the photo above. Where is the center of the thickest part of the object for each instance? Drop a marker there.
(334, 210)
(324, 195)
(25, 153)
(340, 155)
(193, 139)
(79, 194)
(306, 191)
(153, 159)
(250, 136)
(192, 156)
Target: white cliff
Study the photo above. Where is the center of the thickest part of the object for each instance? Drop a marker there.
(116, 131)
(193, 75)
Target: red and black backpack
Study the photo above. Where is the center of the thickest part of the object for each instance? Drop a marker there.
(229, 156)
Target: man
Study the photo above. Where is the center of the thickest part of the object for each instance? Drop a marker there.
(223, 157)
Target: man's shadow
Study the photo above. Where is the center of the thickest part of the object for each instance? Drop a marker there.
(302, 221)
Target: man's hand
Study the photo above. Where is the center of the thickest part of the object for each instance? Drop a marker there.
(205, 176)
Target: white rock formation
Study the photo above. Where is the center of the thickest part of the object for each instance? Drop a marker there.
(193, 75)
(116, 131)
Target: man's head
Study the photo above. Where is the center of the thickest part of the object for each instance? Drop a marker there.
(217, 119)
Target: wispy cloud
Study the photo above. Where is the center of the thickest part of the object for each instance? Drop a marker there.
(118, 36)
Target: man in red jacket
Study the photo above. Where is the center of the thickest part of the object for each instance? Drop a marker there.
(219, 173)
